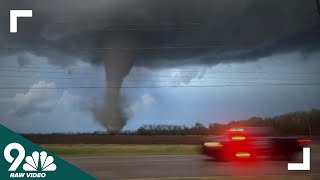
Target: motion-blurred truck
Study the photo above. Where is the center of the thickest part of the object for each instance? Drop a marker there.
(252, 142)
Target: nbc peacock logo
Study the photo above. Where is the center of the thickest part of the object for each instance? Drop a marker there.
(35, 166)
(39, 161)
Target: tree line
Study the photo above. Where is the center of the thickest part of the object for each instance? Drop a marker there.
(295, 123)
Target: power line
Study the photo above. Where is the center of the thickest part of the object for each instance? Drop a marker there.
(177, 70)
(147, 29)
(171, 86)
(151, 29)
(161, 79)
(49, 72)
(133, 24)
(117, 48)
(169, 83)
(47, 77)
(37, 67)
(69, 71)
(244, 72)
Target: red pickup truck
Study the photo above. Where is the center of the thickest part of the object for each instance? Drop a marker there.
(252, 142)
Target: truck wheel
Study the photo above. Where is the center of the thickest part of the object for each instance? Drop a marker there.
(282, 157)
(274, 157)
(223, 157)
(289, 156)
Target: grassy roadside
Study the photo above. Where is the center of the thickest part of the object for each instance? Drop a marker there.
(114, 150)
(122, 150)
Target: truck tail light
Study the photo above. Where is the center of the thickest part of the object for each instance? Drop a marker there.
(243, 155)
(303, 142)
(238, 138)
(213, 144)
(236, 130)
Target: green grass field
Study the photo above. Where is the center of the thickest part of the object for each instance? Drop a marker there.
(114, 150)
(122, 150)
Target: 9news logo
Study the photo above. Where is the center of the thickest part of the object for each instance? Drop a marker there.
(32, 165)
(22, 159)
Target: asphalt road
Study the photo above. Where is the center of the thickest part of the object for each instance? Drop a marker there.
(135, 167)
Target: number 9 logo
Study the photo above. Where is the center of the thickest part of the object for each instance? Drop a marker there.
(15, 161)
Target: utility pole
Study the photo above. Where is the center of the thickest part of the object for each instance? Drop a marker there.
(308, 119)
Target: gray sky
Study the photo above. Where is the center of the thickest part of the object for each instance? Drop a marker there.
(68, 110)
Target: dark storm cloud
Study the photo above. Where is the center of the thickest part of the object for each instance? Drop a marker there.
(68, 28)
(157, 33)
